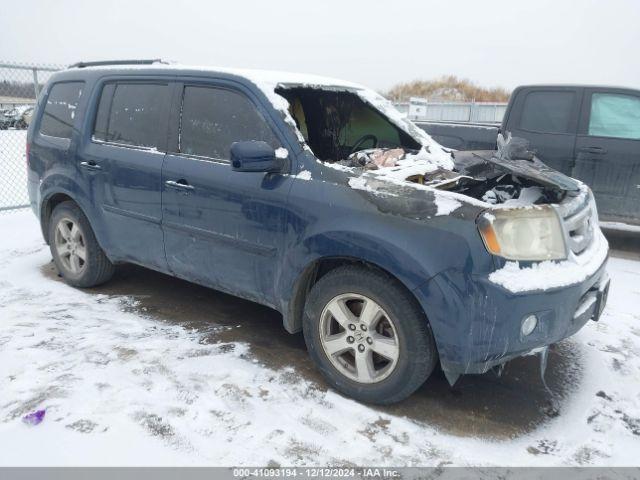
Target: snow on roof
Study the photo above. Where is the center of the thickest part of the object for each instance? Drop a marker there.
(254, 75)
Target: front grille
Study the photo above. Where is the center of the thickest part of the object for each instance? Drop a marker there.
(578, 221)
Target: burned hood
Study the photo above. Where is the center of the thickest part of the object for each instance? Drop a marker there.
(515, 156)
(474, 162)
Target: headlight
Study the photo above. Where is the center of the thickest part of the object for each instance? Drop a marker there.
(523, 233)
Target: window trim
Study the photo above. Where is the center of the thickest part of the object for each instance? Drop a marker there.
(169, 83)
(44, 107)
(573, 115)
(97, 110)
(182, 86)
(590, 107)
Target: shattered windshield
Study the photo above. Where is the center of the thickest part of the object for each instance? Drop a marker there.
(336, 124)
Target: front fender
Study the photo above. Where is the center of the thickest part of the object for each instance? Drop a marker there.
(385, 254)
(405, 258)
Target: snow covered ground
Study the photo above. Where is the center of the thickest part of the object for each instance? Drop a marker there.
(121, 387)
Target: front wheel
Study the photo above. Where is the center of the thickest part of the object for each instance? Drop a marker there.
(368, 336)
(75, 250)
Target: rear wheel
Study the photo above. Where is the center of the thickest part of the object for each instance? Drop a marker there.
(76, 253)
(367, 335)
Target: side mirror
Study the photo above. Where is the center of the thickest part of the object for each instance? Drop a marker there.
(255, 156)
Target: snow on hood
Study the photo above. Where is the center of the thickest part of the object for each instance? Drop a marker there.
(410, 164)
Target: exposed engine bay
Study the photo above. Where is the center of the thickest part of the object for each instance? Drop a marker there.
(476, 174)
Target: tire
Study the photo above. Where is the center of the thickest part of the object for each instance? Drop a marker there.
(401, 332)
(71, 238)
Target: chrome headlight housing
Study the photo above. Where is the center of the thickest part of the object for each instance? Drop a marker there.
(526, 234)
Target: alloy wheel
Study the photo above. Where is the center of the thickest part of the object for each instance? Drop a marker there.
(70, 246)
(359, 338)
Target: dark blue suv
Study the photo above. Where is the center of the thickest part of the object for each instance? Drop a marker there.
(317, 198)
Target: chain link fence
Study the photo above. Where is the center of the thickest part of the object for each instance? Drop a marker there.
(20, 85)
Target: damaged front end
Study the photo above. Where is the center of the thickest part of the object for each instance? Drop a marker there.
(509, 250)
(539, 226)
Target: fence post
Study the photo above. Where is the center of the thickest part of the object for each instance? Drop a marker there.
(36, 87)
(473, 111)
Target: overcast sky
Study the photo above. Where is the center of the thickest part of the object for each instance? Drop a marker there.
(377, 43)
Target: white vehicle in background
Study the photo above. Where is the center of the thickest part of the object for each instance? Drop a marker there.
(17, 117)
(26, 116)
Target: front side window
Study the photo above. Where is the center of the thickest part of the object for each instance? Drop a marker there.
(60, 109)
(548, 112)
(615, 115)
(214, 118)
(336, 123)
(133, 114)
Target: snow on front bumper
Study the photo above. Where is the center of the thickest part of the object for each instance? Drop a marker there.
(478, 326)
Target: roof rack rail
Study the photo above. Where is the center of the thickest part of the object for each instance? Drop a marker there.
(117, 62)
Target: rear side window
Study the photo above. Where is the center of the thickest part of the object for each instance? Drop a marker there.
(615, 115)
(214, 118)
(60, 109)
(548, 112)
(133, 114)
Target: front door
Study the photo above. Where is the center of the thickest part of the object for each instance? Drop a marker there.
(608, 152)
(222, 228)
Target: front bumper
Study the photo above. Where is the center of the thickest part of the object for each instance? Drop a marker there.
(477, 323)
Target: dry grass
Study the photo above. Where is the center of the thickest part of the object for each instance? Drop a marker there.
(448, 88)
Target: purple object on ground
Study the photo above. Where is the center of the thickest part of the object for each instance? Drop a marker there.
(34, 418)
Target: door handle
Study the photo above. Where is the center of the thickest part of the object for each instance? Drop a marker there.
(593, 150)
(179, 185)
(90, 165)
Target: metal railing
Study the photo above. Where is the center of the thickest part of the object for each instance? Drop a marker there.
(20, 85)
(424, 110)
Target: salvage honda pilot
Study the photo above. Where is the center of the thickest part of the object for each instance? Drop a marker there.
(317, 198)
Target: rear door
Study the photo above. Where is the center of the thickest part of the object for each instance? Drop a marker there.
(222, 228)
(608, 152)
(548, 118)
(123, 164)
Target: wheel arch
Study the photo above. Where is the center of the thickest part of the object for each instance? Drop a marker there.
(50, 202)
(47, 207)
(314, 271)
